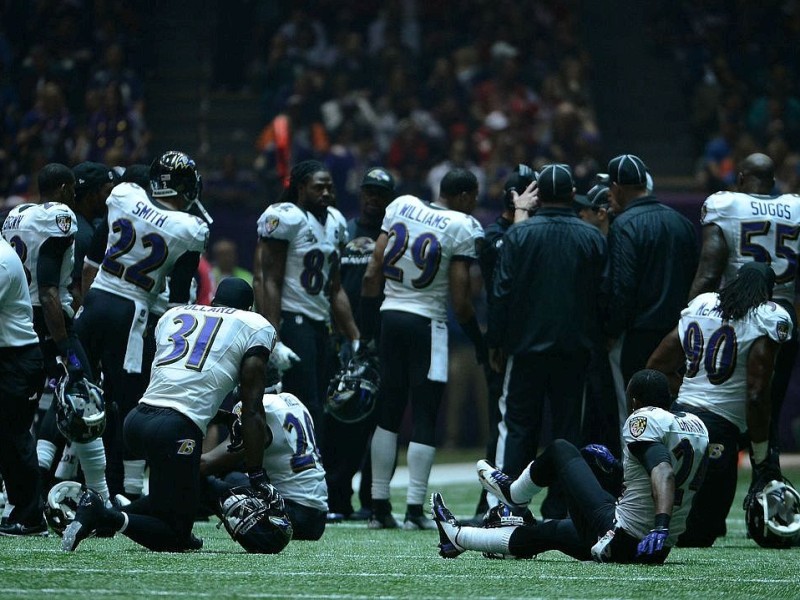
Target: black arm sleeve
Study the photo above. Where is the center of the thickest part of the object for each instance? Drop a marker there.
(649, 454)
(181, 277)
(262, 351)
(97, 249)
(51, 257)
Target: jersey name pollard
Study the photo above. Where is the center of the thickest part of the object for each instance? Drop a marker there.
(292, 460)
(313, 252)
(716, 354)
(16, 314)
(144, 241)
(761, 228)
(686, 438)
(423, 239)
(27, 227)
(199, 350)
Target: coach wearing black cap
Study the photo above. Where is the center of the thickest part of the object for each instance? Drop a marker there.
(546, 310)
(346, 447)
(652, 259)
(93, 183)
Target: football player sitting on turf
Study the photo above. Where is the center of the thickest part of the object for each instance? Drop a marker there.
(291, 461)
(664, 460)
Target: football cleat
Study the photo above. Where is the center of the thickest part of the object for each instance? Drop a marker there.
(447, 525)
(418, 522)
(20, 530)
(495, 482)
(88, 516)
(377, 521)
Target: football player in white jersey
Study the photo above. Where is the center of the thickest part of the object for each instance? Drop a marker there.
(144, 240)
(44, 237)
(301, 239)
(21, 379)
(752, 224)
(202, 353)
(663, 460)
(291, 460)
(423, 253)
(728, 342)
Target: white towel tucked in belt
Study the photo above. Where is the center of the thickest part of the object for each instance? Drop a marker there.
(133, 355)
(438, 368)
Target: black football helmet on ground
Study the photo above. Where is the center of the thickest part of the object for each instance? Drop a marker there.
(773, 515)
(80, 409)
(257, 521)
(353, 391)
(502, 515)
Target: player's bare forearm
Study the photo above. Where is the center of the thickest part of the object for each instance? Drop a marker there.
(273, 270)
(343, 314)
(668, 358)
(662, 479)
(253, 380)
(53, 314)
(87, 277)
(760, 367)
(218, 460)
(713, 258)
(372, 284)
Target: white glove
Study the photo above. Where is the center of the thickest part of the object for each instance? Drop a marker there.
(283, 357)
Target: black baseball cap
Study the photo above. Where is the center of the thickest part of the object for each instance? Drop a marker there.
(378, 177)
(627, 169)
(555, 183)
(91, 175)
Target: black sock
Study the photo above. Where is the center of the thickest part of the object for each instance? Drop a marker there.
(414, 510)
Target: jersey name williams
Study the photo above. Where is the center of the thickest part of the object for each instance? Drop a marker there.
(424, 216)
(148, 213)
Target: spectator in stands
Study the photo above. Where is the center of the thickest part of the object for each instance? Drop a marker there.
(225, 261)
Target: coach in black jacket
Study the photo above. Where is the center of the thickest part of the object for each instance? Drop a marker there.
(547, 304)
(652, 260)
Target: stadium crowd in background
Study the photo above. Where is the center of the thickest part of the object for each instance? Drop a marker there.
(353, 97)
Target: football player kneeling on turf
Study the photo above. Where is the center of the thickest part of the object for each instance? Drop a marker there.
(202, 353)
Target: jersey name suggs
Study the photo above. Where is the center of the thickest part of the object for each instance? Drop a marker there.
(771, 209)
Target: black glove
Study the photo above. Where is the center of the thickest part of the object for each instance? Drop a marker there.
(260, 482)
(763, 473)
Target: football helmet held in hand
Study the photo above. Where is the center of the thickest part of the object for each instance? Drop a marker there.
(62, 502)
(80, 409)
(353, 391)
(773, 515)
(257, 521)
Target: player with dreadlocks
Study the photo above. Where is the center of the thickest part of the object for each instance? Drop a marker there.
(728, 341)
(297, 285)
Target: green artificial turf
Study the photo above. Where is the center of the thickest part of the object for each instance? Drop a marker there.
(353, 562)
